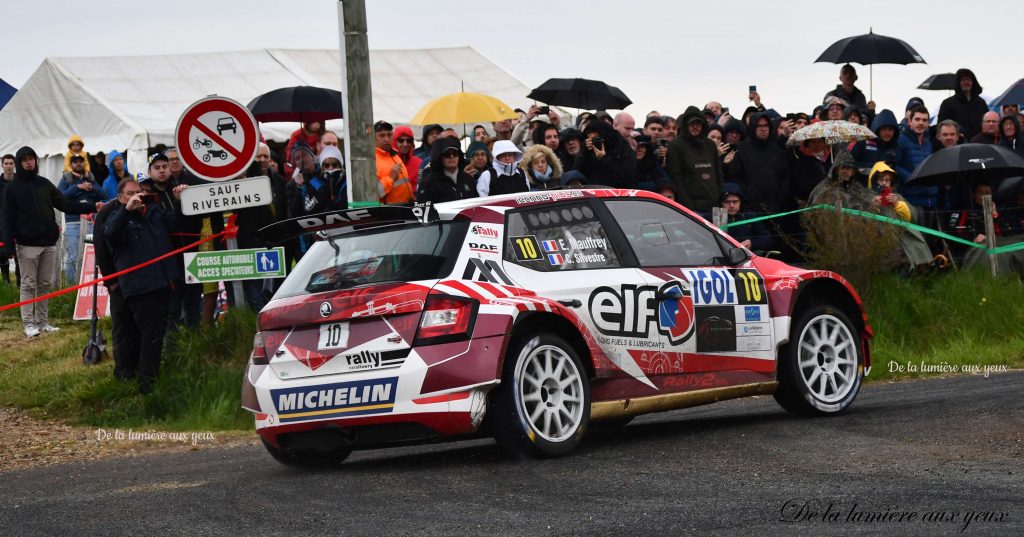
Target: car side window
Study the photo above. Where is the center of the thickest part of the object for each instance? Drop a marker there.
(558, 238)
(663, 236)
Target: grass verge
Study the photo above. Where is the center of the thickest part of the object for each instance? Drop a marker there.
(198, 389)
(965, 320)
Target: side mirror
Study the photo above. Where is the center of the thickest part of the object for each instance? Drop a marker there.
(737, 256)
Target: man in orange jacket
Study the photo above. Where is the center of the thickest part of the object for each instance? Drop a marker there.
(393, 185)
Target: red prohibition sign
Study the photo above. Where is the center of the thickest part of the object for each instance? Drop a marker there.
(207, 155)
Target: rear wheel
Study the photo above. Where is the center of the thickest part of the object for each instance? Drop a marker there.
(542, 406)
(822, 366)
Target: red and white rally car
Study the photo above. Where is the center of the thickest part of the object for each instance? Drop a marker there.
(527, 317)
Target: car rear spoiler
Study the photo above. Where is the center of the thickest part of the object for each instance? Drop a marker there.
(362, 218)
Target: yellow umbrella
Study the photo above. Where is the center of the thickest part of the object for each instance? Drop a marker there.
(463, 107)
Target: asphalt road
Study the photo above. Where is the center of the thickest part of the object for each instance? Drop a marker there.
(945, 454)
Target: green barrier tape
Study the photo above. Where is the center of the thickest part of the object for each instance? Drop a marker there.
(1007, 248)
(922, 229)
(361, 204)
(888, 220)
(779, 215)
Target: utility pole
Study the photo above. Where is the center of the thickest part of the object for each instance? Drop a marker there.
(357, 101)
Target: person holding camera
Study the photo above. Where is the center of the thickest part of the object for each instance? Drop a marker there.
(606, 159)
(138, 230)
(536, 117)
(649, 172)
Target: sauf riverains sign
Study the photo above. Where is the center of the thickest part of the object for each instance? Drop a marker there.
(226, 196)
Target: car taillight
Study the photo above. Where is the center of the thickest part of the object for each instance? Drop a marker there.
(259, 351)
(446, 318)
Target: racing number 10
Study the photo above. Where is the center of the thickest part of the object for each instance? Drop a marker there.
(526, 248)
(751, 286)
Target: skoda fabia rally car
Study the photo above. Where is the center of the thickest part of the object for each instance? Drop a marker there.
(527, 317)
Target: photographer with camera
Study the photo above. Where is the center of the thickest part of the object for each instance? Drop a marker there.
(536, 117)
(606, 158)
(138, 230)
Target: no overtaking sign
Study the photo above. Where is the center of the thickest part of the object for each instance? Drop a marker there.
(217, 138)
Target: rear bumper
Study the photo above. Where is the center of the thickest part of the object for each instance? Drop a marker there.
(440, 390)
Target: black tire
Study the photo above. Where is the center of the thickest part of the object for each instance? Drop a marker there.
(308, 458)
(822, 367)
(558, 400)
(206, 158)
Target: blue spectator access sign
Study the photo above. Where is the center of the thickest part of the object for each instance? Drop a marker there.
(249, 264)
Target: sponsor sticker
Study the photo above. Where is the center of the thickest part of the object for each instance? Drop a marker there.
(374, 396)
(367, 360)
(716, 329)
(751, 314)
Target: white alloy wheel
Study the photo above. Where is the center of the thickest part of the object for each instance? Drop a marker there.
(828, 358)
(549, 392)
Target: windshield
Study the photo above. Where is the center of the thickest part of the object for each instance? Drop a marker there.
(400, 253)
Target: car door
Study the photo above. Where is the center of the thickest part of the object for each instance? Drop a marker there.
(715, 316)
(563, 252)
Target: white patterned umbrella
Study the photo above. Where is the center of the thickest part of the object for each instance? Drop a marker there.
(833, 132)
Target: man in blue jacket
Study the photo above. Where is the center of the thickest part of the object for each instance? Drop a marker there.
(77, 186)
(137, 231)
(914, 146)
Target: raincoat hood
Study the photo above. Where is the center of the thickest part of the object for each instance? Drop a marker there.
(752, 129)
(505, 146)
(19, 172)
(691, 113)
(76, 138)
(553, 162)
(885, 118)
(735, 125)
(878, 168)
(113, 155)
(442, 145)
(975, 89)
(843, 159)
(400, 131)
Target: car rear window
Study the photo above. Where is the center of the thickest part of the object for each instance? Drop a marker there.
(400, 253)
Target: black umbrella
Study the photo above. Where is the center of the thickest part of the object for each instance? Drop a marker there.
(298, 103)
(869, 49)
(1013, 95)
(580, 93)
(1008, 190)
(941, 81)
(968, 163)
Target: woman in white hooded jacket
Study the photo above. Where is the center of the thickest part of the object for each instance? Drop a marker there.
(505, 176)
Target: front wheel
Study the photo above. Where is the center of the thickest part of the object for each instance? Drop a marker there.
(542, 406)
(822, 367)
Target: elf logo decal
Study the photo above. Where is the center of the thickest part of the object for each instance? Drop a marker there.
(631, 311)
(711, 287)
(485, 271)
(484, 231)
(675, 313)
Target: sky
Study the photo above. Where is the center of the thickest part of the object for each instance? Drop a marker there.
(665, 55)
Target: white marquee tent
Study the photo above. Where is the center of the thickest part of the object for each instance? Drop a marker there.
(134, 102)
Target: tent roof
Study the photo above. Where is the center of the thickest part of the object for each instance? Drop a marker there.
(135, 101)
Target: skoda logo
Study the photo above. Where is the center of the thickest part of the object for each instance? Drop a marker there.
(325, 309)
